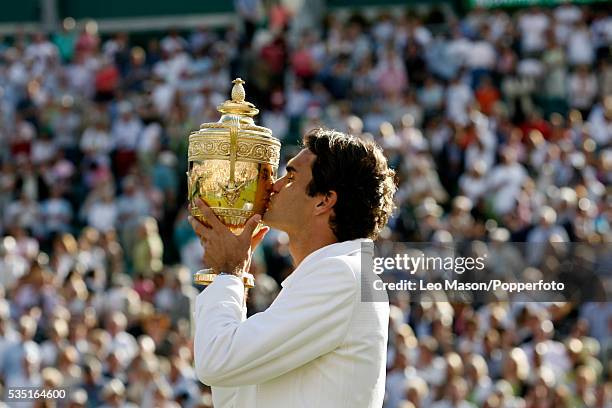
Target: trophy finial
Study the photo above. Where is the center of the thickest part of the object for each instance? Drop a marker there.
(238, 106)
(238, 93)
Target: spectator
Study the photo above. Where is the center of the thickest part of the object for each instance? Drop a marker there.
(600, 121)
(132, 207)
(120, 340)
(583, 90)
(458, 100)
(23, 213)
(101, 213)
(22, 357)
(148, 250)
(504, 182)
(532, 25)
(487, 95)
(113, 394)
(56, 213)
(125, 132)
(65, 125)
(580, 46)
(96, 143)
(65, 40)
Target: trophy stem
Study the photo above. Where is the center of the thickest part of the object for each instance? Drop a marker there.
(206, 276)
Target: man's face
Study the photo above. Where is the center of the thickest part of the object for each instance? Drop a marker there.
(290, 207)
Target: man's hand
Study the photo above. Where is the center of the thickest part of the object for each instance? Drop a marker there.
(224, 251)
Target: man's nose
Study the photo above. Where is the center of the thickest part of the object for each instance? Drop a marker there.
(277, 185)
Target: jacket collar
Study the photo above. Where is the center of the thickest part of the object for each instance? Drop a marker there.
(335, 249)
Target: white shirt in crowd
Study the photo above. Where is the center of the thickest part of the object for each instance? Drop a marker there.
(277, 122)
(459, 50)
(23, 214)
(472, 187)
(96, 141)
(297, 101)
(533, 26)
(65, 126)
(125, 133)
(504, 183)
(40, 54)
(395, 389)
(565, 15)
(583, 90)
(580, 47)
(433, 373)
(18, 74)
(601, 128)
(163, 96)
(171, 44)
(125, 344)
(553, 354)
(81, 75)
(499, 24)
(12, 267)
(482, 55)
(43, 150)
(56, 214)
(479, 152)
(150, 138)
(602, 31)
(459, 97)
(102, 215)
(171, 69)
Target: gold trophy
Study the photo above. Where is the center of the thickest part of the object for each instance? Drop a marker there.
(232, 167)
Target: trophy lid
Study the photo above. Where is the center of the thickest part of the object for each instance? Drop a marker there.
(238, 106)
(237, 114)
(235, 136)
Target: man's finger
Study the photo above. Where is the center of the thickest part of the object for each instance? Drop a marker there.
(200, 229)
(250, 226)
(259, 237)
(208, 213)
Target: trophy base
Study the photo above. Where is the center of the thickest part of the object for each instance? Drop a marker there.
(207, 276)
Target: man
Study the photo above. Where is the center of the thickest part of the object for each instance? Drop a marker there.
(318, 344)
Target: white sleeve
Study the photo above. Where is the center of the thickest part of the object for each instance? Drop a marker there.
(308, 319)
(224, 397)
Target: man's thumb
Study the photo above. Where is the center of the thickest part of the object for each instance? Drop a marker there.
(259, 237)
(250, 226)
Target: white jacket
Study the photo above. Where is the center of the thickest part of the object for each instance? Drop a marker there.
(317, 345)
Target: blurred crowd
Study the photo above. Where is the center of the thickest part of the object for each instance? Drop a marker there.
(498, 124)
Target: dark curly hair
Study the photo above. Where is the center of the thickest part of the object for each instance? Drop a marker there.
(357, 171)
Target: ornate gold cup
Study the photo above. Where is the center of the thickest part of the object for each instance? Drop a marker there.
(232, 166)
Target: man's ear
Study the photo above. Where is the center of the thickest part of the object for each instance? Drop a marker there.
(326, 202)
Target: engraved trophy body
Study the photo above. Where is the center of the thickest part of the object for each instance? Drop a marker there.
(232, 167)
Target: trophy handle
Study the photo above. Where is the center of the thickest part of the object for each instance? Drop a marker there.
(207, 276)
